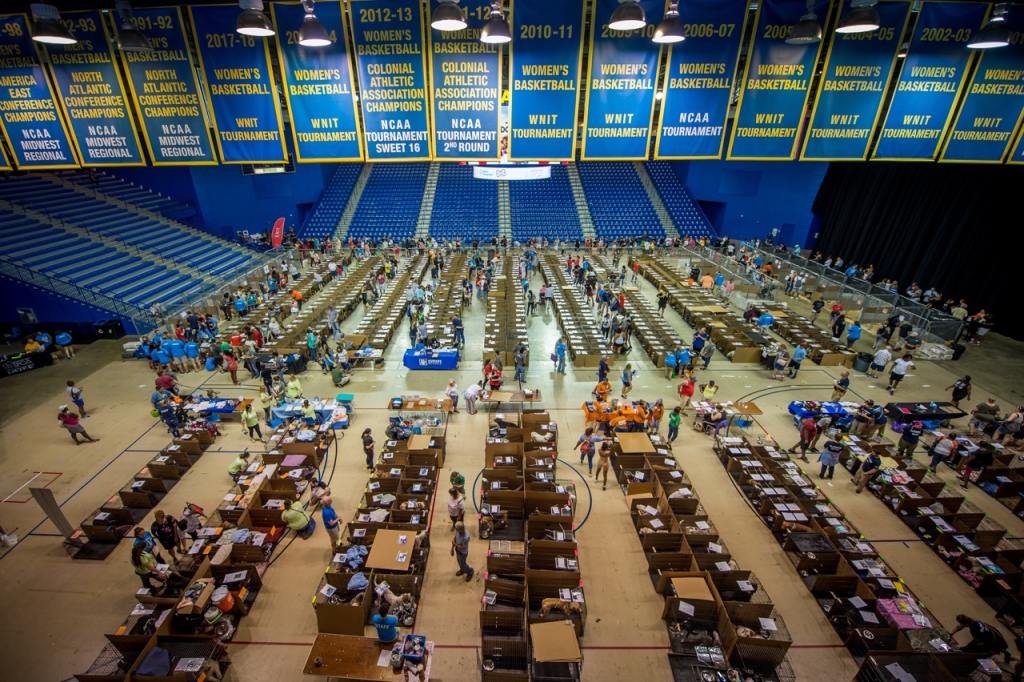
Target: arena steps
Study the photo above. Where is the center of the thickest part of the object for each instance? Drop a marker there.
(344, 221)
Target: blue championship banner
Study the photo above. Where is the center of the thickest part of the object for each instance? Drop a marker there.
(239, 86)
(993, 105)
(699, 80)
(620, 85)
(922, 104)
(32, 123)
(465, 80)
(318, 86)
(852, 89)
(389, 40)
(165, 91)
(93, 96)
(546, 57)
(776, 84)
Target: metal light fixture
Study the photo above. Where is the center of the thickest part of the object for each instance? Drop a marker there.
(46, 26)
(312, 33)
(904, 51)
(996, 33)
(670, 30)
(448, 16)
(252, 21)
(129, 37)
(496, 30)
(862, 18)
(807, 31)
(628, 16)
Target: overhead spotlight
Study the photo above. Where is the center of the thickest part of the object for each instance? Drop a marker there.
(658, 95)
(252, 21)
(129, 37)
(628, 16)
(862, 18)
(496, 30)
(807, 31)
(996, 33)
(670, 30)
(46, 27)
(312, 33)
(904, 51)
(448, 16)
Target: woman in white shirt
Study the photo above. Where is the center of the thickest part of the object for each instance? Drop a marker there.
(899, 370)
(456, 506)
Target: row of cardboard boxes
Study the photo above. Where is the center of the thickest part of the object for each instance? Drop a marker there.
(582, 336)
(872, 610)
(383, 318)
(534, 609)
(718, 617)
(977, 547)
(447, 301)
(505, 320)
(176, 632)
(383, 555)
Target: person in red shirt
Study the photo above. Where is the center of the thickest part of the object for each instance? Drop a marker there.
(70, 421)
(257, 337)
(808, 431)
(166, 382)
(636, 270)
(686, 392)
(622, 302)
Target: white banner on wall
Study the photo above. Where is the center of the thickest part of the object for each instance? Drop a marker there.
(512, 172)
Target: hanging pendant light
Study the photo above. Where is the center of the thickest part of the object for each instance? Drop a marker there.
(807, 31)
(628, 16)
(670, 30)
(996, 33)
(448, 16)
(496, 30)
(46, 26)
(312, 33)
(129, 37)
(862, 18)
(252, 21)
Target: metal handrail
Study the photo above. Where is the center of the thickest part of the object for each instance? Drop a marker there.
(85, 294)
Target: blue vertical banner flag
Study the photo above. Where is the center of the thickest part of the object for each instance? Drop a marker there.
(993, 104)
(93, 95)
(848, 104)
(776, 83)
(545, 62)
(32, 121)
(465, 88)
(389, 41)
(165, 91)
(933, 73)
(699, 80)
(621, 79)
(318, 86)
(240, 88)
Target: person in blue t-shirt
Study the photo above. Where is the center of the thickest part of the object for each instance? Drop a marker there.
(192, 355)
(330, 518)
(799, 353)
(387, 626)
(853, 334)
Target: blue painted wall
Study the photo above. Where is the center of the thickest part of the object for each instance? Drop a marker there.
(747, 199)
(227, 201)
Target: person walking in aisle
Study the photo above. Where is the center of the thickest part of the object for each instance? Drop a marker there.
(452, 391)
(75, 393)
(899, 371)
(799, 353)
(840, 386)
(674, 418)
(330, 518)
(879, 362)
(808, 431)
(165, 529)
(70, 421)
(367, 439)
(604, 455)
(560, 355)
(909, 439)
(961, 390)
(869, 468)
(460, 550)
(471, 395)
(251, 421)
(456, 507)
(587, 443)
(627, 379)
(829, 457)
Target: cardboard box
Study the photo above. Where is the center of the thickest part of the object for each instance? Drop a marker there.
(555, 642)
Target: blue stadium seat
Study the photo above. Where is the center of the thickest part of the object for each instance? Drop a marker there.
(618, 202)
(685, 212)
(544, 208)
(390, 204)
(464, 207)
(322, 221)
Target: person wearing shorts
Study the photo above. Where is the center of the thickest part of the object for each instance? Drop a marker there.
(899, 370)
(604, 456)
(75, 393)
(878, 363)
(69, 420)
(799, 353)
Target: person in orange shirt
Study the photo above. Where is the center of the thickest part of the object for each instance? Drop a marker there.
(654, 420)
(619, 422)
(602, 390)
(640, 415)
(707, 281)
(297, 295)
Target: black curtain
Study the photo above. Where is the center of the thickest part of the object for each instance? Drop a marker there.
(954, 227)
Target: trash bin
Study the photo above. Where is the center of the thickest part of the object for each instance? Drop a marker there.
(958, 350)
(862, 362)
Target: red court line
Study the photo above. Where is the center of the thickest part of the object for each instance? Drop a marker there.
(55, 474)
(243, 642)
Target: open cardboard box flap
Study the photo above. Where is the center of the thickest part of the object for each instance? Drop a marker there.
(555, 642)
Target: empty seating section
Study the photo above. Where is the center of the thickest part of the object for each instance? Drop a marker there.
(89, 263)
(464, 207)
(689, 219)
(618, 202)
(544, 208)
(124, 190)
(163, 238)
(322, 221)
(391, 202)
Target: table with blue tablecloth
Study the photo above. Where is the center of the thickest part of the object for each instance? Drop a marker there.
(802, 409)
(443, 359)
(333, 412)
